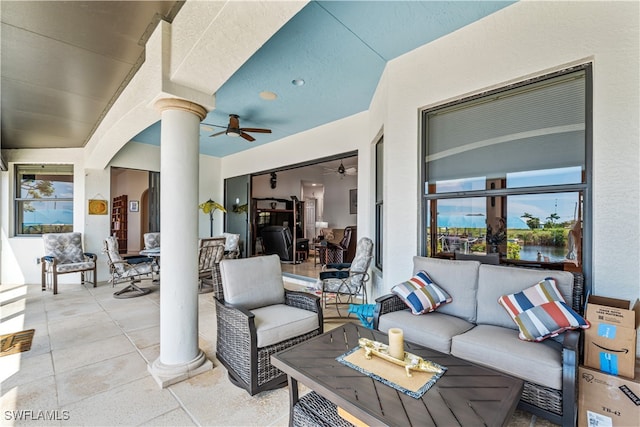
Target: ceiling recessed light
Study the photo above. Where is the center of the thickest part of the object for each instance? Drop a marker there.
(297, 82)
(267, 95)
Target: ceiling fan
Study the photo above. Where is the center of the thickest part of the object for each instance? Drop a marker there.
(341, 171)
(234, 129)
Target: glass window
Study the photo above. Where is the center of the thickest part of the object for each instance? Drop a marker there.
(507, 172)
(44, 199)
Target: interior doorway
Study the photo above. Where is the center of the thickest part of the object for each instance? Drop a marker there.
(134, 184)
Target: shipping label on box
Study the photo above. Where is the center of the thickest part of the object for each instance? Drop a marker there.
(610, 342)
(607, 400)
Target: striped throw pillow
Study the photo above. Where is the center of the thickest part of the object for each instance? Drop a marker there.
(421, 294)
(540, 312)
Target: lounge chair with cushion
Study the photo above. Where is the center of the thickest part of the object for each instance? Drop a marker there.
(259, 317)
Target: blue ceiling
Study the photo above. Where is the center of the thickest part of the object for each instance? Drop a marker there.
(340, 49)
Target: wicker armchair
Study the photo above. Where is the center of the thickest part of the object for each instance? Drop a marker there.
(64, 254)
(258, 318)
(129, 270)
(210, 253)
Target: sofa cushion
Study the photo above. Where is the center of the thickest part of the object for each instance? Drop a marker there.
(495, 281)
(501, 349)
(421, 294)
(540, 312)
(458, 278)
(433, 331)
(277, 323)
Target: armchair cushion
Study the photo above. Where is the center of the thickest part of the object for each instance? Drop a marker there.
(262, 279)
(75, 266)
(278, 323)
(421, 294)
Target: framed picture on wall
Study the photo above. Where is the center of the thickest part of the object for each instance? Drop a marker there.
(353, 201)
(134, 206)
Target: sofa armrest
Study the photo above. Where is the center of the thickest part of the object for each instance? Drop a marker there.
(387, 304)
(570, 358)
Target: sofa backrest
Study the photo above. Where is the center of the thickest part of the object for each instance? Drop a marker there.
(496, 281)
(458, 278)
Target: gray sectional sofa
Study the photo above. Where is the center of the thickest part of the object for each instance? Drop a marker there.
(476, 328)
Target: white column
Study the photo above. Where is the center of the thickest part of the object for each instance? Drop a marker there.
(180, 358)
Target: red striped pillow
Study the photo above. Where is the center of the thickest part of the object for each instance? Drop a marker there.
(540, 312)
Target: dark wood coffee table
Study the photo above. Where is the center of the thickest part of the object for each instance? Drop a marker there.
(466, 395)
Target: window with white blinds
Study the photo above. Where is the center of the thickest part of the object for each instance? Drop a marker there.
(535, 128)
(508, 171)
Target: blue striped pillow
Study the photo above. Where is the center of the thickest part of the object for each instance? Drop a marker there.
(421, 294)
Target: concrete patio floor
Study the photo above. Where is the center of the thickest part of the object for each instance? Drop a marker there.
(88, 366)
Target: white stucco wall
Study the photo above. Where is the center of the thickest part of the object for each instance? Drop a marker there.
(524, 40)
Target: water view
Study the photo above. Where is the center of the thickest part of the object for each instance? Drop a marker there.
(530, 252)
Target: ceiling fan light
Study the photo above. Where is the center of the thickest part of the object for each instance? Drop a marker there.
(233, 133)
(268, 95)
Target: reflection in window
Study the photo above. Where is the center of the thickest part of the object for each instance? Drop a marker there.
(44, 199)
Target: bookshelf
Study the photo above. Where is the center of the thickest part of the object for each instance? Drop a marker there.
(119, 222)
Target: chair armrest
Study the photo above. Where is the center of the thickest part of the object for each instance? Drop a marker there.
(387, 304)
(303, 300)
(339, 266)
(48, 258)
(137, 259)
(335, 274)
(236, 335)
(91, 255)
(241, 311)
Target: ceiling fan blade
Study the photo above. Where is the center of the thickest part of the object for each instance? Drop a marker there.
(247, 136)
(256, 130)
(218, 133)
(209, 124)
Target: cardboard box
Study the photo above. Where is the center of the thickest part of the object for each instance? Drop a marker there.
(610, 342)
(607, 400)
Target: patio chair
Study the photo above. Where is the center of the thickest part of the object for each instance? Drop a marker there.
(129, 270)
(259, 317)
(210, 253)
(343, 252)
(63, 255)
(231, 245)
(151, 241)
(347, 281)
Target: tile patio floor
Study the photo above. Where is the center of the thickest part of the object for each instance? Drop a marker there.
(88, 365)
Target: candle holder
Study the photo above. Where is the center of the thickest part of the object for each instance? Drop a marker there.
(410, 362)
